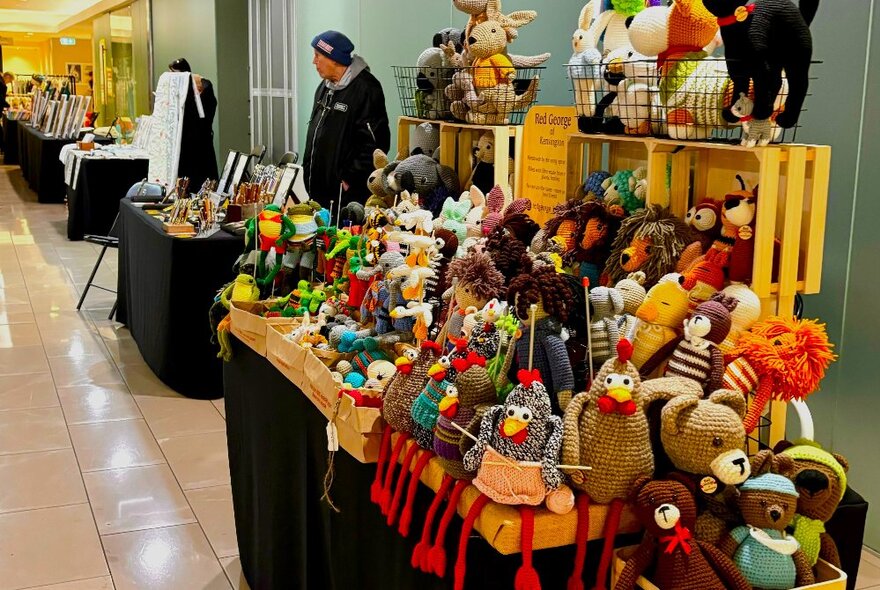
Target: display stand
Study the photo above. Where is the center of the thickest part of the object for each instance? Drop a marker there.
(457, 141)
(791, 210)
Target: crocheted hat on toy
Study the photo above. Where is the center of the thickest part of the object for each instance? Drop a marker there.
(810, 451)
(770, 482)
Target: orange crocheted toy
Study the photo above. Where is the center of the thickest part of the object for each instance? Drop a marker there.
(780, 358)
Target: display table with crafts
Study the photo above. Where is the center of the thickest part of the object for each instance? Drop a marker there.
(166, 286)
(41, 166)
(95, 185)
(10, 141)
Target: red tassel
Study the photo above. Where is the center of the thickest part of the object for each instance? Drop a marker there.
(385, 499)
(466, 528)
(612, 523)
(406, 514)
(401, 484)
(437, 554)
(527, 576)
(576, 581)
(384, 450)
(420, 552)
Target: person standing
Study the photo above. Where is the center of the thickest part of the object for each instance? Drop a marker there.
(5, 80)
(348, 123)
(197, 160)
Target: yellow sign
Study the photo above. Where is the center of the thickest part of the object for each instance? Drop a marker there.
(543, 160)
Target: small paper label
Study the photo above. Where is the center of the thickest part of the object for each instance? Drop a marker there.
(708, 485)
(332, 437)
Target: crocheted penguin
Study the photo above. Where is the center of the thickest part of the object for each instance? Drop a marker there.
(516, 460)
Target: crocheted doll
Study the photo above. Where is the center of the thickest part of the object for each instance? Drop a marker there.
(650, 240)
(627, 188)
(697, 355)
(605, 329)
(662, 314)
(782, 359)
(739, 211)
(766, 555)
(632, 289)
(668, 512)
(820, 478)
(743, 317)
(516, 460)
(595, 424)
(463, 407)
(242, 289)
(597, 225)
(761, 40)
(551, 294)
(476, 282)
(271, 228)
(704, 440)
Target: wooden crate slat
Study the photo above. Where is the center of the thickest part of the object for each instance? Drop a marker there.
(791, 228)
(765, 220)
(815, 245)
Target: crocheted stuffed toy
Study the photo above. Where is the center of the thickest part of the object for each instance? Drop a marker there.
(433, 77)
(462, 408)
(782, 359)
(662, 315)
(270, 230)
(704, 219)
(704, 440)
(650, 240)
(627, 188)
(702, 280)
(516, 460)
(743, 317)
(632, 289)
(761, 40)
(551, 293)
(820, 479)
(596, 227)
(738, 213)
(483, 163)
(422, 175)
(697, 355)
(242, 289)
(476, 281)
(607, 321)
(583, 66)
(477, 11)
(454, 214)
(766, 555)
(595, 423)
(635, 105)
(668, 512)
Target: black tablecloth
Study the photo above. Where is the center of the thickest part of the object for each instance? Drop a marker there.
(22, 148)
(289, 538)
(10, 141)
(93, 203)
(166, 287)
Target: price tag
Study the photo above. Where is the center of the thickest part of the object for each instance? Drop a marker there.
(332, 437)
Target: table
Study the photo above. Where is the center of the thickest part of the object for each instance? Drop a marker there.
(289, 538)
(93, 203)
(10, 141)
(166, 287)
(40, 165)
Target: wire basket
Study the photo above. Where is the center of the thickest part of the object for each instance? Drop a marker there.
(683, 99)
(473, 94)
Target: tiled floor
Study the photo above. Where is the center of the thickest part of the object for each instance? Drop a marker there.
(108, 479)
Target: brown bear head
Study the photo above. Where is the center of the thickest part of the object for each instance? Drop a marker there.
(820, 479)
(768, 501)
(660, 505)
(706, 436)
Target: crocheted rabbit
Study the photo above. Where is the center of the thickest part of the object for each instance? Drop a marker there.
(583, 66)
(477, 11)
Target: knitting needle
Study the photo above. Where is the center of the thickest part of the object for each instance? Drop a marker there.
(586, 282)
(339, 206)
(507, 461)
(534, 311)
(537, 464)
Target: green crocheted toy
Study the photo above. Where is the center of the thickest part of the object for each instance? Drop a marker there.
(627, 188)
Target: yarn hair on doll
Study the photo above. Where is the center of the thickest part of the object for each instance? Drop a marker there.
(544, 285)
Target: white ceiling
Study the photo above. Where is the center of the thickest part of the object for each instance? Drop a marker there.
(39, 16)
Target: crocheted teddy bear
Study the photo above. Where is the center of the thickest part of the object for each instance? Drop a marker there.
(697, 355)
(820, 478)
(766, 555)
(668, 512)
(704, 440)
(516, 458)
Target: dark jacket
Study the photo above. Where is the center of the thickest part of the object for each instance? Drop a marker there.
(197, 159)
(348, 123)
(3, 90)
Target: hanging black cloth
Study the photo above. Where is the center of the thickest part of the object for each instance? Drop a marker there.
(197, 160)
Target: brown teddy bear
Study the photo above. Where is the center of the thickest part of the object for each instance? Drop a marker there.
(668, 512)
(820, 479)
(705, 439)
(767, 556)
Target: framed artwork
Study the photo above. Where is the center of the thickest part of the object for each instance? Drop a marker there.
(288, 176)
(75, 70)
(241, 167)
(231, 159)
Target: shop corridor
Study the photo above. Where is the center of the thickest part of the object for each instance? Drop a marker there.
(108, 479)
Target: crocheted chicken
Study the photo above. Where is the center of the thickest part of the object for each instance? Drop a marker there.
(516, 460)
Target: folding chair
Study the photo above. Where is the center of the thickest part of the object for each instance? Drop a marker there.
(258, 152)
(288, 158)
(108, 241)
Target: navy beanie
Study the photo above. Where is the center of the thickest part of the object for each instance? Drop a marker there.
(334, 45)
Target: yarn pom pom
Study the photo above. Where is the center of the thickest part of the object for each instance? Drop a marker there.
(526, 378)
(624, 350)
(628, 7)
(431, 345)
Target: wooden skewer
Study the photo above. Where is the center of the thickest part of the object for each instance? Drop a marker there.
(586, 282)
(534, 310)
(507, 461)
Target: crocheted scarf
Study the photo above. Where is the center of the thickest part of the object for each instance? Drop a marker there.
(807, 531)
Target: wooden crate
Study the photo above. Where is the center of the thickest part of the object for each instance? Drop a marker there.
(792, 203)
(828, 577)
